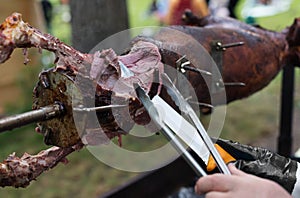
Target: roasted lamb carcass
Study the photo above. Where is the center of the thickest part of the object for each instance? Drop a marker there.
(103, 69)
(99, 72)
(247, 64)
(255, 63)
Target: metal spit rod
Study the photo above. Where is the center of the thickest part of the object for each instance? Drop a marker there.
(42, 114)
(46, 113)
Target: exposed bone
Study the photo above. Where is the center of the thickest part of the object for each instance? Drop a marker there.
(15, 33)
(19, 172)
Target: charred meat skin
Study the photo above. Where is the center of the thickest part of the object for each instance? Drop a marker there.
(255, 63)
(247, 64)
(265, 52)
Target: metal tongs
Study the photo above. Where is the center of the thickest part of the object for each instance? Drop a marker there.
(151, 109)
(187, 109)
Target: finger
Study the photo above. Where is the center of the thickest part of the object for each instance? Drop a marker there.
(215, 194)
(236, 171)
(216, 182)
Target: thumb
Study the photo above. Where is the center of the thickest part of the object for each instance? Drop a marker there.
(235, 171)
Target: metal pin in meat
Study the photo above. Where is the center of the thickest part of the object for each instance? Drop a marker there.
(98, 109)
(183, 64)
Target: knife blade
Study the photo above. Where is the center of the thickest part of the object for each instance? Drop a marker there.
(181, 128)
(156, 118)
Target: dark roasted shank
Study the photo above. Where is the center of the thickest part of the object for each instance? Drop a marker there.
(255, 63)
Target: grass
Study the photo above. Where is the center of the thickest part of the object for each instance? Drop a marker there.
(85, 176)
(276, 22)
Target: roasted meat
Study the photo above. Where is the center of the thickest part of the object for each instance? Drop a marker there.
(98, 78)
(255, 64)
(19, 172)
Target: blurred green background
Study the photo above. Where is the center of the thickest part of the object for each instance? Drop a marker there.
(248, 121)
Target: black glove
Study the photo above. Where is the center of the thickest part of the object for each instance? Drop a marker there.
(258, 161)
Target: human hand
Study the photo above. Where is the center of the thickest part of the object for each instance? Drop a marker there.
(239, 184)
(261, 162)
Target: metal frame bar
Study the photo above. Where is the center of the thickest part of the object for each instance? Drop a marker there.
(285, 139)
